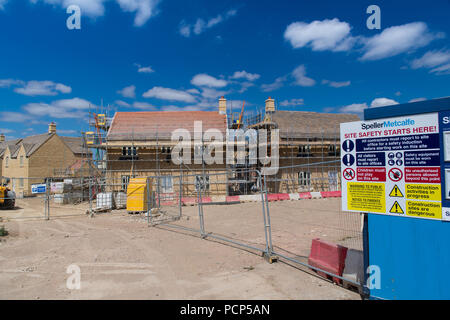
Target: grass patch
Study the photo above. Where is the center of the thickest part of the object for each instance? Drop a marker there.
(3, 231)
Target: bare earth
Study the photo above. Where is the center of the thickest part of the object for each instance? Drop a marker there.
(120, 257)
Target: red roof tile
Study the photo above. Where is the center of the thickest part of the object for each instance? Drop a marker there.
(148, 125)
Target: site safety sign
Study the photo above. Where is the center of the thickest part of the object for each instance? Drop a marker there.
(393, 166)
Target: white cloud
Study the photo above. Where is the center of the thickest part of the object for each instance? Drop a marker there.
(6, 83)
(91, 8)
(43, 88)
(177, 108)
(2, 4)
(144, 106)
(382, 102)
(358, 108)
(64, 131)
(245, 75)
(142, 69)
(431, 59)
(245, 86)
(122, 103)
(8, 116)
(209, 93)
(301, 79)
(354, 108)
(445, 69)
(320, 35)
(169, 94)
(336, 84)
(278, 83)
(144, 9)
(128, 92)
(193, 90)
(65, 108)
(201, 25)
(335, 35)
(185, 29)
(205, 80)
(398, 39)
(292, 103)
(417, 99)
(438, 61)
(4, 130)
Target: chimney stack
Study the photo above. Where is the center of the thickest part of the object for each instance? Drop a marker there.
(222, 105)
(52, 128)
(2, 137)
(270, 105)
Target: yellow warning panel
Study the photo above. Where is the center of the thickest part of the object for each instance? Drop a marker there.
(424, 209)
(423, 192)
(395, 192)
(396, 208)
(368, 197)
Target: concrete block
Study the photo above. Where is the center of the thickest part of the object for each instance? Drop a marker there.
(354, 268)
(219, 198)
(294, 196)
(316, 195)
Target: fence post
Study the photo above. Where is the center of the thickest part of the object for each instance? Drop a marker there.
(263, 212)
(47, 200)
(148, 202)
(180, 196)
(200, 207)
(90, 195)
(270, 257)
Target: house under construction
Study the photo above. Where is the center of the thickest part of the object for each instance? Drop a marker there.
(140, 144)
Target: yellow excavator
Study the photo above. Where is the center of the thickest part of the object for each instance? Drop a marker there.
(7, 196)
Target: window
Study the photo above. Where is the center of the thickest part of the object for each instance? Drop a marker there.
(20, 182)
(332, 150)
(21, 161)
(129, 151)
(125, 182)
(304, 151)
(304, 178)
(202, 181)
(333, 180)
(166, 184)
(6, 162)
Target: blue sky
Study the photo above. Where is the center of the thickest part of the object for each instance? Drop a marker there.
(183, 55)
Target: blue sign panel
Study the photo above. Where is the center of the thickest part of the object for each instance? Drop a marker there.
(412, 254)
(444, 130)
(371, 159)
(411, 142)
(348, 160)
(38, 188)
(420, 158)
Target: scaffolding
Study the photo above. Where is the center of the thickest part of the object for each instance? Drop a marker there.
(308, 159)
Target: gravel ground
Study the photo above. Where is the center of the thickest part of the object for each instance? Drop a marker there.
(120, 257)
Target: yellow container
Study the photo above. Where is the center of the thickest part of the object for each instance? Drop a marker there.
(137, 195)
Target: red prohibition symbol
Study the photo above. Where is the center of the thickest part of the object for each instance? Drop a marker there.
(395, 174)
(349, 174)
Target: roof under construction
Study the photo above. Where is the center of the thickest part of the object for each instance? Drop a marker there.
(152, 125)
(297, 124)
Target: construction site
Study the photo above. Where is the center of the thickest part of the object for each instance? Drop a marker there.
(117, 204)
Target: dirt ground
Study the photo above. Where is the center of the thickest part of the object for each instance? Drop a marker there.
(120, 257)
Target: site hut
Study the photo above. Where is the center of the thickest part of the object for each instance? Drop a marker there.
(140, 144)
(306, 138)
(33, 159)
